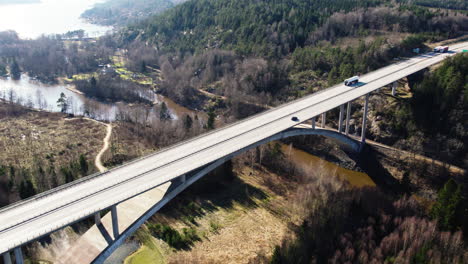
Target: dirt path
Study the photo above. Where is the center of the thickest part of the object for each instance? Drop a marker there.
(106, 140)
(98, 161)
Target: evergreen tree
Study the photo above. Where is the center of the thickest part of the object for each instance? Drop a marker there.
(188, 122)
(67, 174)
(448, 203)
(164, 113)
(26, 189)
(83, 165)
(62, 103)
(211, 120)
(3, 70)
(93, 82)
(15, 70)
(143, 67)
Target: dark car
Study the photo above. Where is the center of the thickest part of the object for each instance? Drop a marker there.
(295, 119)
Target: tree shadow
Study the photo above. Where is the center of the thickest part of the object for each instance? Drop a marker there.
(369, 162)
(220, 189)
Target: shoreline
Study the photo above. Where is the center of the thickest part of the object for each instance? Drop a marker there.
(73, 89)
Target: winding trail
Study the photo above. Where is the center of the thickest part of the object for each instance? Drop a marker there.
(106, 140)
(98, 161)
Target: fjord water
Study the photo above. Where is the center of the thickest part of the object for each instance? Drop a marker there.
(48, 17)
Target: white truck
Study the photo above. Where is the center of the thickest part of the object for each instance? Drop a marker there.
(351, 81)
(441, 49)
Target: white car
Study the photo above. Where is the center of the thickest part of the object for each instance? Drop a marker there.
(351, 81)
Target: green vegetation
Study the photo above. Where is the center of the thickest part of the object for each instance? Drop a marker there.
(450, 209)
(260, 27)
(173, 237)
(145, 255)
(122, 12)
(274, 29)
(340, 63)
(435, 114)
(442, 94)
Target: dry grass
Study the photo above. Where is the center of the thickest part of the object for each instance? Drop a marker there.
(40, 137)
(237, 234)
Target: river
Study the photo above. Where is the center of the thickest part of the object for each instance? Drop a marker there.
(34, 94)
(48, 17)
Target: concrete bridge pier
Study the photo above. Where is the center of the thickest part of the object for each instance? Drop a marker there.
(394, 86)
(313, 122)
(364, 119)
(183, 178)
(348, 115)
(97, 218)
(19, 256)
(6, 258)
(340, 122)
(115, 222)
(324, 119)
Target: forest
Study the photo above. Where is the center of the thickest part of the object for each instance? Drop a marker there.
(123, 12)
(49, 57)
(283, 25)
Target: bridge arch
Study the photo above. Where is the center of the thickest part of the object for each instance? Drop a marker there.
(178, 186)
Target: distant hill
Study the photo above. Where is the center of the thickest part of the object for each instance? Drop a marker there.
(241, 24)
(122, 12)
(276, 28)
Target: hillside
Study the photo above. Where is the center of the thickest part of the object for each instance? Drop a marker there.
(122, 12)
(275, 28)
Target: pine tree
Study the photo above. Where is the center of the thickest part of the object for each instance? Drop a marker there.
(448, 202)
(211, 120)
(188, 122)
(15, 70)
(164, 113)
(83, 165)
(62, 103)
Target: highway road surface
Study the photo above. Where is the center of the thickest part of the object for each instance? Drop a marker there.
(27, 220)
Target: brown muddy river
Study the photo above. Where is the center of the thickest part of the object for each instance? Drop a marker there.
(304, 159)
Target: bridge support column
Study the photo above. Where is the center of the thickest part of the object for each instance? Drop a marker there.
(6, 258)
(348, 114)
(394, 86)
(115, 222)
(19, 256)
(340, 122)
(313, 122)
(324, 119)
(364, 119)
(183, 178)
(97, 218)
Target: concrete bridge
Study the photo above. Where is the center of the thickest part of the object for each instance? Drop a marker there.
(174, 169)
